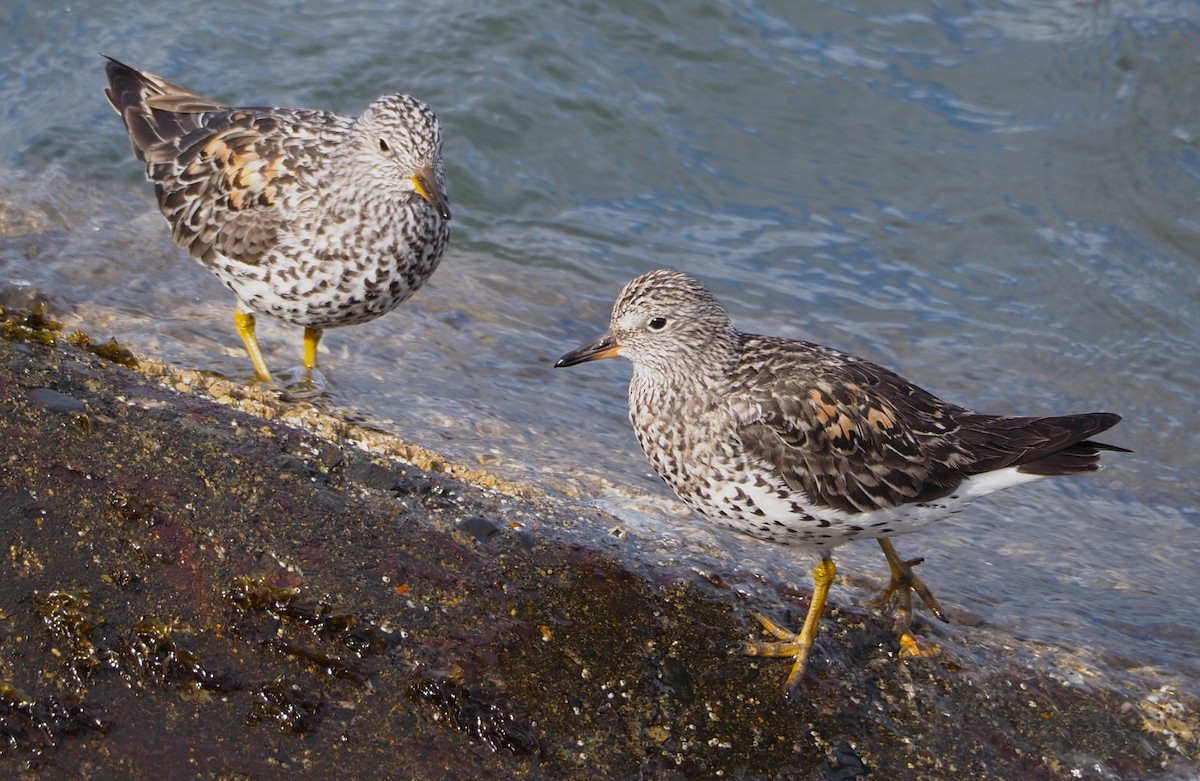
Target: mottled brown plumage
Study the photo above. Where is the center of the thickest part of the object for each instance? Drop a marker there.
(796, 443)
(314, 218)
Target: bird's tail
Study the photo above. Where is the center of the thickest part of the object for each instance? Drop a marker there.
(1046, 446)
(1080, 458)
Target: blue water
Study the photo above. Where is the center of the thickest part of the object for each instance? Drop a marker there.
(997, 199)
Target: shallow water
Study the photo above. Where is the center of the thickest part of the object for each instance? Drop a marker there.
(996, 199)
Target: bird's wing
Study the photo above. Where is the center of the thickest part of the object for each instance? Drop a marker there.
(227, 179)
(851, 435)
(233, 184)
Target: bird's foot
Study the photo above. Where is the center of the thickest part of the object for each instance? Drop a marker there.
(796, 646)
(900, 588)
(911, 645)
(898, 594)
(790, 645)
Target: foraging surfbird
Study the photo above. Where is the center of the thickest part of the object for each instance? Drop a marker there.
(799, 444)
(314, 218)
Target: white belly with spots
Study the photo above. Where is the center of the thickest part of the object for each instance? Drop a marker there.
(781, 515)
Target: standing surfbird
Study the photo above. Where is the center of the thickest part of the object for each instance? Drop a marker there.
(799, 444)
(314, 218)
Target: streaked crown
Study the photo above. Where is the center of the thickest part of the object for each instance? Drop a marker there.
(407, 126)
(666, 321)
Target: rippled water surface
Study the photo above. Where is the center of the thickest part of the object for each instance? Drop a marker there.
(1000, 200)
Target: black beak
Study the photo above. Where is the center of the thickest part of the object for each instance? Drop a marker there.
(603, 347)
(426, 185)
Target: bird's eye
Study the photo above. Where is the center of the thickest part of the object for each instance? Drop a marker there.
(657, 323)
(383, 146)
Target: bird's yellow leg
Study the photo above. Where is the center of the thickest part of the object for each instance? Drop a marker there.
(902, 585)
(797, 646)
(245, 329)
(312, 337)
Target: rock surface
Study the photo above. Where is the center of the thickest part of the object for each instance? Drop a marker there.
(194, 591)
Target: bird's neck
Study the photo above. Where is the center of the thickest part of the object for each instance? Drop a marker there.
(703, 374)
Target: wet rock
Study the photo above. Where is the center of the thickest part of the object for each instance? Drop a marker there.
(491, 720)
(56, 402)
(477, 527)
(372, 475)
(306, 608)
(287, 704)
(31, 728)
(846, 765)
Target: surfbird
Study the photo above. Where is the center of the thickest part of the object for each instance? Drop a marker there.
(314, 218)
(799, 444)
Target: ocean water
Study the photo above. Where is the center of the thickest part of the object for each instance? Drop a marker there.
(1000, 200)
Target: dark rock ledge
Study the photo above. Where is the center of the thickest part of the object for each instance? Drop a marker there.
(204, 580)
